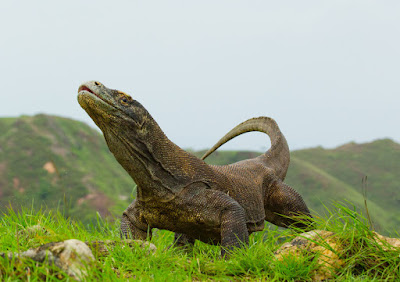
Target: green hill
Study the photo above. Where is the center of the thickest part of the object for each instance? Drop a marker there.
(59, 163)
(65, 164)
(323, 176)
(345, 167)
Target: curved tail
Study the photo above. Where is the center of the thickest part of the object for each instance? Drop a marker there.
(277, 157)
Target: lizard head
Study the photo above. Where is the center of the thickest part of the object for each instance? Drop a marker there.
(109, 107)
(131, 134)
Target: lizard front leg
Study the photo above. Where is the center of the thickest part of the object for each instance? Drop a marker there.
(282, 204)
(234, 233)
(231, 219)
(133, 224)
(229, 215)
(213, 217)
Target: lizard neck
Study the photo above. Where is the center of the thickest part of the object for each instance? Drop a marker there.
(158, 166)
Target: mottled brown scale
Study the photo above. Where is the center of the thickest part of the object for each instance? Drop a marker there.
(179, 192)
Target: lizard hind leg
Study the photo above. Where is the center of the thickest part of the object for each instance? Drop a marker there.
(286, 208)
(125, 228)
(129, 231)
(132, 227)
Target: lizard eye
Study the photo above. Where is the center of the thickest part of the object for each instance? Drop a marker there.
(123, 98)
(124, 101)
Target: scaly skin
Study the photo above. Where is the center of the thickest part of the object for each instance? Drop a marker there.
(181, 193)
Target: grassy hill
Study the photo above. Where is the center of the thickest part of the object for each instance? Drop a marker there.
(323, 176)
(65, 164)
(337, 174)
(58, 162)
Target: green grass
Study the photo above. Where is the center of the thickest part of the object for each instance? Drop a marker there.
(364, 259)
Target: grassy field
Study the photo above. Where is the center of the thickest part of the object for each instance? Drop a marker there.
(364, 259)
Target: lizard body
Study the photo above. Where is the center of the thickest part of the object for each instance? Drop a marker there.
(181, 193)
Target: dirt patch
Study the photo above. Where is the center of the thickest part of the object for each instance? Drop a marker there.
(50, 167)
(98, 201)
(59, 150)
(17, 185)
(95, 199)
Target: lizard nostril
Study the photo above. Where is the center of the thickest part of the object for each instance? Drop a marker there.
(97, 83)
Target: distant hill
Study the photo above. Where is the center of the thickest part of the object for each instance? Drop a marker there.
(59, 163)
(322, 176)
(65, 164)
(336, 174)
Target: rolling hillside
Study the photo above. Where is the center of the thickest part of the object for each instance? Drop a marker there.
(322, 176)
(339, 172)
(61, 163)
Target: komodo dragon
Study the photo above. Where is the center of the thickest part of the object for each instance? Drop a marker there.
(179, 192)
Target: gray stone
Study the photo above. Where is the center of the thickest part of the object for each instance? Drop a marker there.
(72, 256)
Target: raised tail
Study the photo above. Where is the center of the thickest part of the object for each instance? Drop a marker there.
(277, 157)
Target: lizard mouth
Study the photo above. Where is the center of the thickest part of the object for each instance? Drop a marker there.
(87, 89)
(83, 88)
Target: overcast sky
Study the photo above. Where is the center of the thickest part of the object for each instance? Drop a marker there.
(327, 71)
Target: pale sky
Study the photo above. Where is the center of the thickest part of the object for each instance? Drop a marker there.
(327, 71)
